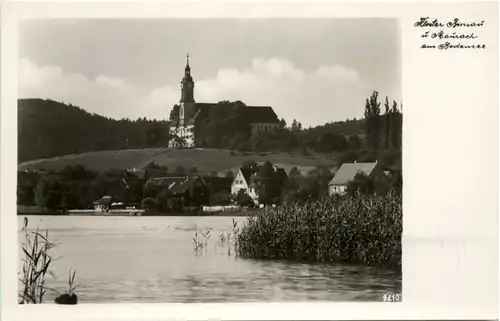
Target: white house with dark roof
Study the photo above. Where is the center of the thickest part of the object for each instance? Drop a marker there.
(242, 181)
(347, 172)
(247, 180)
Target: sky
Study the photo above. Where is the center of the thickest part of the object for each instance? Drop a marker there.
(313, 70)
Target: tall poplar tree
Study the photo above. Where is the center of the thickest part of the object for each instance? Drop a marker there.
(372, 119)
(397, 126)
(387, 123)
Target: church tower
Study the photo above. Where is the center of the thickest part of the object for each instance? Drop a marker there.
(184, 128)
(187, 103)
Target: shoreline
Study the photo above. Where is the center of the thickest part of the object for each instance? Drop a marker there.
(152, 214)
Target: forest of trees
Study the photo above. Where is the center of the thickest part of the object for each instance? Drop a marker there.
(48, 128)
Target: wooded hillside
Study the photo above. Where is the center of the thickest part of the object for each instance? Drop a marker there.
(47, 128)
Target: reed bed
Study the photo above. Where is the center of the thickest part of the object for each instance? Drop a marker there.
(356, 229)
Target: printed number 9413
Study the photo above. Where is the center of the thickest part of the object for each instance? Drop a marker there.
(391, 297)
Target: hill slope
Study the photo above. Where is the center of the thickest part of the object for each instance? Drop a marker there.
(205, 160)
(47, 128)
(53, 135)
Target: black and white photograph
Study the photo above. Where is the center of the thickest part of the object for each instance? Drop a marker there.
(209, 160)
(249, 161)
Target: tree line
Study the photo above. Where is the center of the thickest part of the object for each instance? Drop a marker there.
(78, 188)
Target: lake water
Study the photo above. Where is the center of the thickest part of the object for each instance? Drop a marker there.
(152, 259)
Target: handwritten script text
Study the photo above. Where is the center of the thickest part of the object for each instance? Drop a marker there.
(453, 34)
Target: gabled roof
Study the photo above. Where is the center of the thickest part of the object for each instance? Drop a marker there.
(247, 173)
(174, 185)
(258, 114)
(251, 178)
(166, 181)
(183, 186)
(348, 171)
(254, 114)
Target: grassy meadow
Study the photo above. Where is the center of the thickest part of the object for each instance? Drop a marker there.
(205, 160)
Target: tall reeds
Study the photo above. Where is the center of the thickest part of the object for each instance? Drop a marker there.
(36, 262)
(200, 243)
(227, 239)
(358, 229)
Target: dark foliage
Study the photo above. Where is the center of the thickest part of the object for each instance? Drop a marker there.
(47, 128)
(149, 204)
(243, 199)
(373, 121)
(269, 183)
(76, 188)
(312, 186)
(223, 125)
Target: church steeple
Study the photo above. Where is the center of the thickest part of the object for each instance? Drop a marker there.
(187, 70)
(187, 84)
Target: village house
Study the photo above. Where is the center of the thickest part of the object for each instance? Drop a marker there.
(347, 172)
(178, 193)
(243, 181)
(246, 179)
(261, 118)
